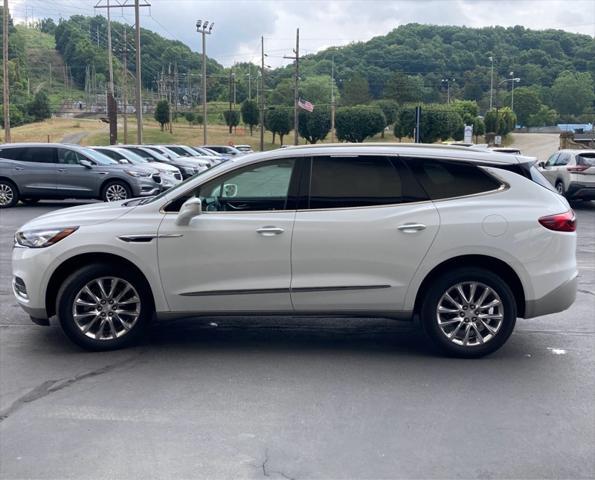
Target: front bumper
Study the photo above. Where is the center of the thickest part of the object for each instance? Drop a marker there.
(145, 187)
(555, 301)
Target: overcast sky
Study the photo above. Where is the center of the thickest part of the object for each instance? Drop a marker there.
(239, 24)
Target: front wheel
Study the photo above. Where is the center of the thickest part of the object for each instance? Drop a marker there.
(104, 307)
(9, 194)
(469, 312)
(560, 188)
(115, 191)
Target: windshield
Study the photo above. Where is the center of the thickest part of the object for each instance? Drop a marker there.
(206, 151)
(98, 157)
(179, 151)
(154, 156)
(133, 157)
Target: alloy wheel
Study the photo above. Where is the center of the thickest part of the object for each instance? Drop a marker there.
(560, 188)
(470, 314)
(106, 308)
(115, 192)
(6, 194)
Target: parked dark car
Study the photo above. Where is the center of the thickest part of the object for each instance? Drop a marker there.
(33, 171)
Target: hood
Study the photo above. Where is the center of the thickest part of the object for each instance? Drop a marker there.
(91, 214)
(163, 167)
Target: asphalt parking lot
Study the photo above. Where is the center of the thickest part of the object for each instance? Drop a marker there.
(297, 398)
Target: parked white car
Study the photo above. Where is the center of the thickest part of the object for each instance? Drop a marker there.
(468, 240)
(170, 175)
(572, 172)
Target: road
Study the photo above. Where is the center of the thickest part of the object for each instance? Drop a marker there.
(298, 398)
(540, 145)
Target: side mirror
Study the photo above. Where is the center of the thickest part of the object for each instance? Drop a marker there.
(230, 190)
(86, 163)
(190, 209)
(541, 164)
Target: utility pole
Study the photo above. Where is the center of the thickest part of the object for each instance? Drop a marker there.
(492, 83)
(109, 51)
(249, 81)
(6, 87)
(202, 29)
(171, 130)
(136, 4)
(125, 87)
(50, 75)
(296, 94)
(333, 100)
(262, 94)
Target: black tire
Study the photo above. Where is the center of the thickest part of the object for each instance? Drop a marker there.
(74, 284)
(560, 188)
(9, 194)
(30, 201)
(438, 336)
(115, 186)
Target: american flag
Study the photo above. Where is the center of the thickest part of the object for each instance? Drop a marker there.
(306, 105)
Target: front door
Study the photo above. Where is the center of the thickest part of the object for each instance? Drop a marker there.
(358, 243)
(73, 179)
(235, 256)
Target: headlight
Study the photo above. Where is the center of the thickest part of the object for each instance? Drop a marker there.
(41, 238)
(137, 173)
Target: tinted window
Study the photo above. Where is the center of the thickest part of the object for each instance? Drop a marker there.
(12, 153)
(97, 157)
(344, 182)
(257, 187)
(444, 179)
(39, 155)
(586, 159)
(111, 153)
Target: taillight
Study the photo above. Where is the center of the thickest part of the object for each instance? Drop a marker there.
(560, 222)
(578, 168)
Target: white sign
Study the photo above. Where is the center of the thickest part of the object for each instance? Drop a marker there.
(468, 134)
(498, 140)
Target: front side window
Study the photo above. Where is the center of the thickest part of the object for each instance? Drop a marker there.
(360, 181)
(552, 160)
(69, 157)
(258, 187)
(562, 160)
(446, 179)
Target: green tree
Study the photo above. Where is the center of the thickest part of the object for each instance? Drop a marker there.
(162, 113)
(278, 121)
(232, 119)
(317, 89)
(250, 113)
(479, 128)
(190, 117)
(390, 110)
(572, 93)
(500, 122)
(404, 88)
(356, 90)
(526, 103)
(314, 126)
(546, 116)
(47, 25)
(39, 108)
(355, 124)
(405, 123)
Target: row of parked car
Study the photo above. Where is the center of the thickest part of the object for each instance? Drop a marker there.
(30, 172)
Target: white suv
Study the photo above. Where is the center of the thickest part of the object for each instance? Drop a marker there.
(466, 239)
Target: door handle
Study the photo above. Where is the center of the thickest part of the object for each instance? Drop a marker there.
(61, 170)
(269, 231)
(411, 227)
(19, 168)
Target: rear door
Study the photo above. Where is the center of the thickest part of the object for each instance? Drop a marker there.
(360, 237)
(33, 170)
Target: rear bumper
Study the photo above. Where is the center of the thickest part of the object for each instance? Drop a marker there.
(581, 190)
(555, 301)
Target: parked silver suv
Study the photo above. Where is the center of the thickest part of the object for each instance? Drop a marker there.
(33, 171)
(572, 172)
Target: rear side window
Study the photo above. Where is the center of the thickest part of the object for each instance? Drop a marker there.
(344, 182)
(586, 159)
(538, 178)
(12, 153)
(445, 179)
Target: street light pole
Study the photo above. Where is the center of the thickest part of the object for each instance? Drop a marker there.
(6, 87)
(202, 28)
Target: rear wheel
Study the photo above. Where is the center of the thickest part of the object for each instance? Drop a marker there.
(104, 307)
(9, 194)
(469, 312)
(560, 188)
(115, 191)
